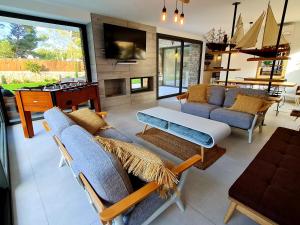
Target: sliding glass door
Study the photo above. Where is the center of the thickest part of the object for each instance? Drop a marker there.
(178, 65)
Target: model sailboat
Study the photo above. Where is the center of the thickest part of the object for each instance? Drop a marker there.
(239, 33)
(271, 30)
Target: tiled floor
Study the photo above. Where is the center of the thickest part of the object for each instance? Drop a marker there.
(44, 194)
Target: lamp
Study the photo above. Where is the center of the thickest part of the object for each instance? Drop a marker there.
(176, 13)
(182, 15)
(164, 12)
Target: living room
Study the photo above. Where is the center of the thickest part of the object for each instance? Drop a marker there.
(149, 112)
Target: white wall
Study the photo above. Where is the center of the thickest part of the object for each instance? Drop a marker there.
(248, 69)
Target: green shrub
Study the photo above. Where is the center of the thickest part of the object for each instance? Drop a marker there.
(26, 81)
(14, 81)
(33, 67)
(3, 80)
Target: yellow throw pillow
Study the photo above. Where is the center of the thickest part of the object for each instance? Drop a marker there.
(198, 93)
(247, 104)
(141, 162)
(87, 119)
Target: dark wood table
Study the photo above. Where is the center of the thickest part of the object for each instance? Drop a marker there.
(41, 99)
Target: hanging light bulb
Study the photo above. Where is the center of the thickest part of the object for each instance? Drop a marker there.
(176, 13)
(164, 12)
(182, 15)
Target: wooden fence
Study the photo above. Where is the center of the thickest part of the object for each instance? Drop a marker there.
(47, 65)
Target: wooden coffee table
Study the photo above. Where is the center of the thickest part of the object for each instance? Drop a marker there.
(208, 129)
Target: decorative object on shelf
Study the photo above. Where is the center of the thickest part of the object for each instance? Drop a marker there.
(177, 17)
(216, 40)
(239, 33)
(270, 35)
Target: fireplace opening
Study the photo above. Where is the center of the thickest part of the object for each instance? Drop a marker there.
(115, 87)
(141, 84)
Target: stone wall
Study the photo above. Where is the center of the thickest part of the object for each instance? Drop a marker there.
(193, 66)
(105, 69)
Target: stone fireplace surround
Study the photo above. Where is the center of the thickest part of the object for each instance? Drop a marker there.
(104, 69)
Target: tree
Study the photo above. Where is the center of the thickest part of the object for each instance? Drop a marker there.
(6, 50)
(23, 39)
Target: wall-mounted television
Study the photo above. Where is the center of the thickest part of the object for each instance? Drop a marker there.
(124, 43)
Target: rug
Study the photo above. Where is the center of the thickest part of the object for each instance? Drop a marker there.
(181, 148)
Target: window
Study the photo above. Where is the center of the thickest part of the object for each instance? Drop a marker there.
(36, 51)
(141, 84)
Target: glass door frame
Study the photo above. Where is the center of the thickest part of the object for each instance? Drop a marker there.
(182, 41)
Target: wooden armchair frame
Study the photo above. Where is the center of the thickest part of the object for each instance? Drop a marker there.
(114, 213)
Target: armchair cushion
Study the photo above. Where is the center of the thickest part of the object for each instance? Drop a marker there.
(88, 119)
(198, 109)
(103, 170)
(113, 133)
(57, 120)
(232, 118)
(144, 209)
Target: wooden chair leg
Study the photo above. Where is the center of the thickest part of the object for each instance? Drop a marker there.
(230, 211)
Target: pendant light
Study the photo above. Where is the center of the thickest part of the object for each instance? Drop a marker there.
(164, 12)
(176, 13)
(182, 15)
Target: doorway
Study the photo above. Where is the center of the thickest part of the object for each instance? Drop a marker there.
(179, 64)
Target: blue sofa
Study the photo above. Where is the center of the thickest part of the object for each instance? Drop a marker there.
(219, 100)
(117, 196)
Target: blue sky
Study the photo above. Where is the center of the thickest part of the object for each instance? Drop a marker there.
(55, 41)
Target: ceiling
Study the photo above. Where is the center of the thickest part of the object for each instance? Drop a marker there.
(201, 15)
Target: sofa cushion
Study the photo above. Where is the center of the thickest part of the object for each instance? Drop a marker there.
(232, 118)
(216, 95)
(247, 104)
(102, 169)
(197, 93)
(270, 185)
(198, 109)
(57, 121)
(232, 93)
(113, 133)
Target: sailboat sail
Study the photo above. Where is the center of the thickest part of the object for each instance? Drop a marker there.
(250, 38)
(271, 31)
(239, 33)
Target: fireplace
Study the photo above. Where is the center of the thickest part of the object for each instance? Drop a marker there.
(141, 84)
(115, 87)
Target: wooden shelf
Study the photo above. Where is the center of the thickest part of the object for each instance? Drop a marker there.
(255, 59)
(222, 52)
(220, 70)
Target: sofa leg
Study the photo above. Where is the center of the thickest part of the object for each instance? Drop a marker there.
(230, 211)
(61, 162)
(250, 134)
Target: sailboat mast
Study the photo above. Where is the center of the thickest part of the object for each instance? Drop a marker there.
(232, 33)
(265, 26)
(278, 42)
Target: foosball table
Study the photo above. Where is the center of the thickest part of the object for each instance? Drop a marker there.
(63, 95)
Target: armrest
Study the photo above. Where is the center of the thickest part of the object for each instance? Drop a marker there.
(46, 126)
(102, 114)
(118, 208)
(183, 96)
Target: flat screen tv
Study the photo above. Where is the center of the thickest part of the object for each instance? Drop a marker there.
(124, 43)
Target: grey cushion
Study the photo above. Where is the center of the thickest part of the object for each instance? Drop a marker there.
(232, 118)
(198, 109)
(102, 169)
(231, 94)
(216, 95)
(144, 210)
(57, 121)
(113, 133)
